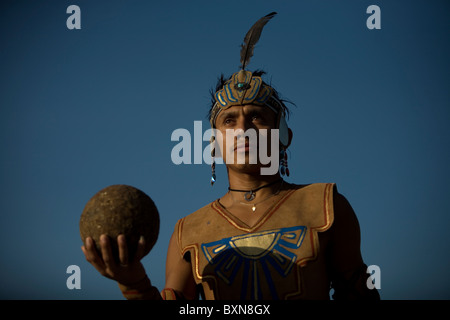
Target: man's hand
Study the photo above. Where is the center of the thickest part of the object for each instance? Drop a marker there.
(125, 272)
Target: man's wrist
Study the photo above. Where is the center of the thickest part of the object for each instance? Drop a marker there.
(140, 290)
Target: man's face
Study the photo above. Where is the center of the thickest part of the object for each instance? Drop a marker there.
(240, 128)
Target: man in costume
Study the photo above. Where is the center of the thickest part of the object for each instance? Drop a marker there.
(263, 239)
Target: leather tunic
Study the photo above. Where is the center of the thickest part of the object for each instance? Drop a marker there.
(280, 257)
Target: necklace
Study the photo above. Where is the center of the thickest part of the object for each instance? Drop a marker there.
(254, 204)
(251, 194)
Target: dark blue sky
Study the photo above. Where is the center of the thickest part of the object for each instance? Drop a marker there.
(84, 109)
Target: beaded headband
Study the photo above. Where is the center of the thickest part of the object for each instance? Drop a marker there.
(242, 89)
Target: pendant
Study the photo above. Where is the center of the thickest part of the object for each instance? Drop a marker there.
(254, 208)
(249, 196)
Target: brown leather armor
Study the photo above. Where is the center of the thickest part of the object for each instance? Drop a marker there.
(278, 258)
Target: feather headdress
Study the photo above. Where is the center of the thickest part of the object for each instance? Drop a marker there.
(252, 37)
(245, 88)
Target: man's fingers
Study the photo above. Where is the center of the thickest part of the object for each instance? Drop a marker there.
(107, 254)
(90, 251)
(92, 256)
(122, 271)
(123, 249)
(140, 251)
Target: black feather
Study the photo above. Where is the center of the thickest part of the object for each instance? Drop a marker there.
(252, 37)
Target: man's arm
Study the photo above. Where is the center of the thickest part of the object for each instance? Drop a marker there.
(348, 272)
(179, 278)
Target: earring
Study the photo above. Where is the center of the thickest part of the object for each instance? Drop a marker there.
(213, 172)
(213, 163)
(284, 170)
